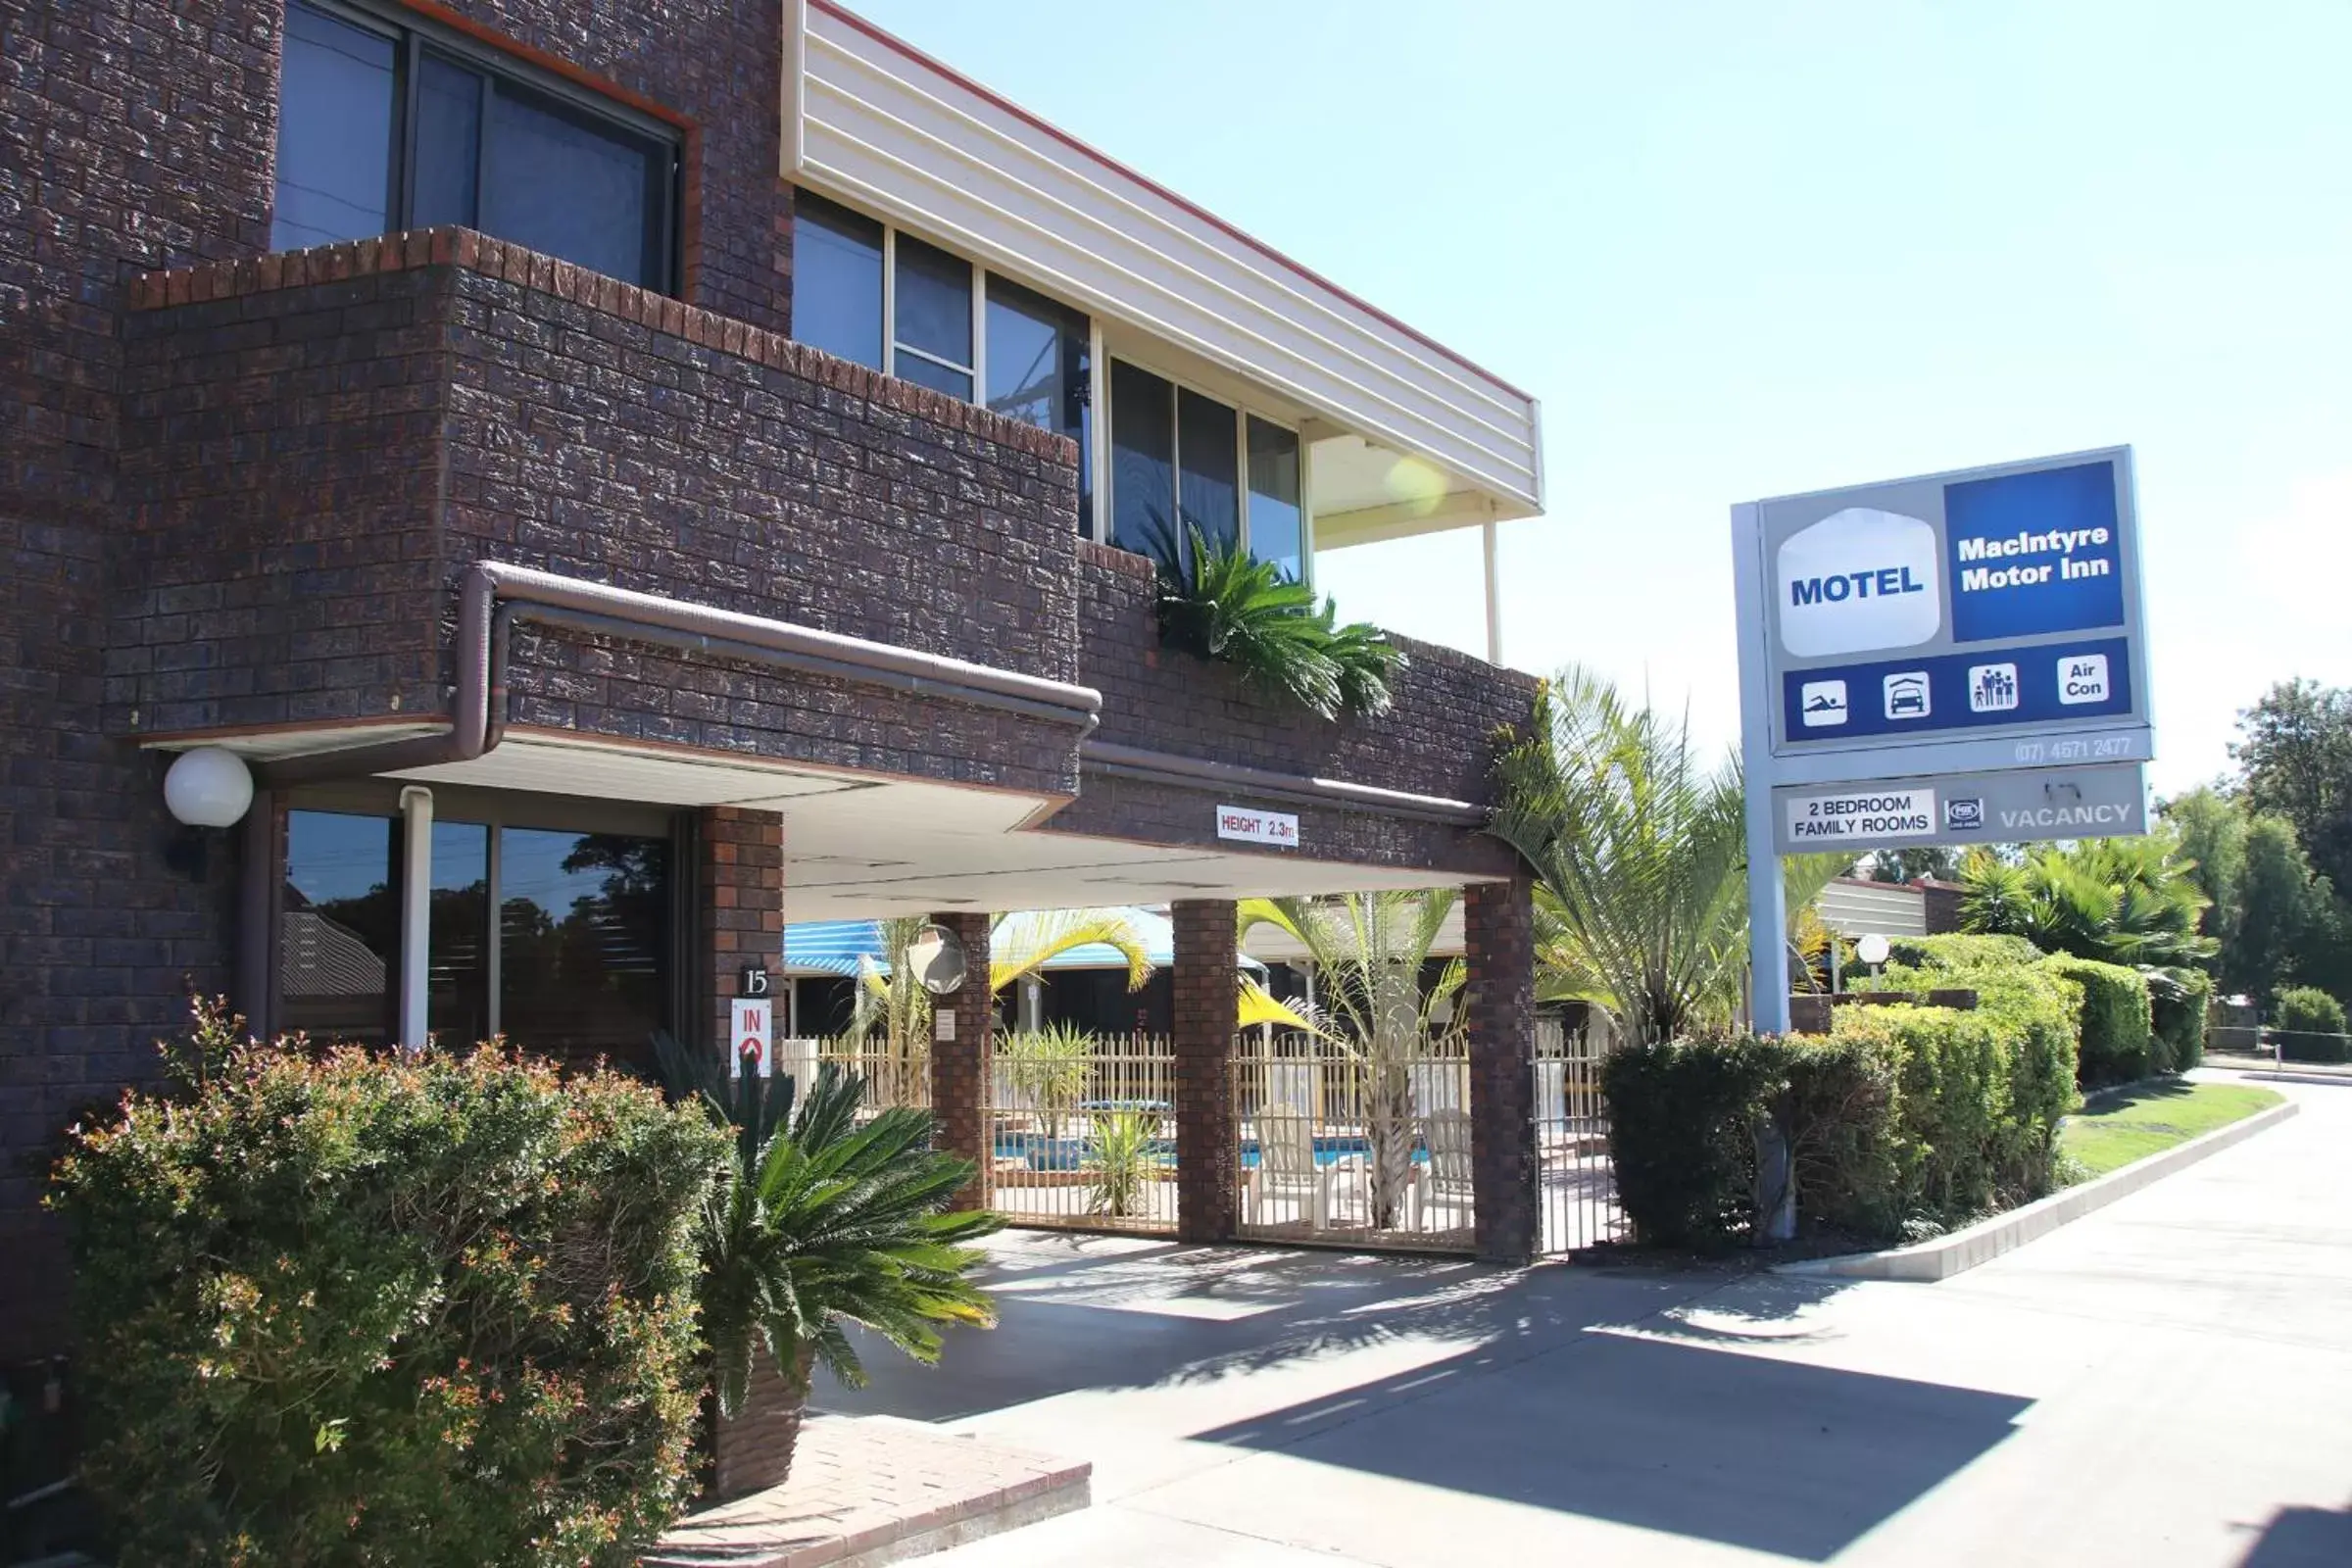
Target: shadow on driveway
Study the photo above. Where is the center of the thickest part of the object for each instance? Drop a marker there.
(1663, 1435)
(2303, 1537)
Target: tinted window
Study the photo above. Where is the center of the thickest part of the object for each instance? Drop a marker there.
(1040, 370)
(449, 144)
(335, 133)
(837, 281)
(541, 171)
(934, 305)
(456, 985)
(583, 940)
(1274, 531)
(1143, 460)
(558, 181)
(338, 927)
(1209, 472)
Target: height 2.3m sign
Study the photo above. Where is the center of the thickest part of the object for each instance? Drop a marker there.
(1981, 602)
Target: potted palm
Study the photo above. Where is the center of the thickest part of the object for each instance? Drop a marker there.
(821, 1221)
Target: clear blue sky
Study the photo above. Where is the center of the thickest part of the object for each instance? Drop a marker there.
(1744, 250)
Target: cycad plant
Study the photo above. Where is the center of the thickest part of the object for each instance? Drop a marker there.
(1367, 951)
(821, 1222)
(1217, 601)
(1640, 852)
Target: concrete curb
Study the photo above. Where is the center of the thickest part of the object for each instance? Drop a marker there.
(1988, 1239)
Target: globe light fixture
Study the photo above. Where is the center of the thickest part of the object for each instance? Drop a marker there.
(208, 787)
(1870, 949)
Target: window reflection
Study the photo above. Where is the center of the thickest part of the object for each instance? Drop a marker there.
(457, 986)
(1143, 460)
(933, 302)
(339, 926)
(1275, 535)
(837, 281)
(1207, 469)
(335, 133)
(557, 181)
(583, 940)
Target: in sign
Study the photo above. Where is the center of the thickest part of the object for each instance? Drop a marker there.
(1257, 827)
(751, 1035)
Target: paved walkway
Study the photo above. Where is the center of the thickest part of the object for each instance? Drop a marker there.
(2166, 1382)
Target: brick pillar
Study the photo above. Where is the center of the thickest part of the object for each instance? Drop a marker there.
(959, 1066)
(1498, 925)
(1206, 1015)
(740, 896)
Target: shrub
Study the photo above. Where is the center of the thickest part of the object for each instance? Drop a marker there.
(2116, 1022)
(1681, 1120)
(2176, 999)
(1682, 1130)
(1952, 1102)
(340, 1308)
(2305, 1016)
(1953, 949)
(1837, 1105)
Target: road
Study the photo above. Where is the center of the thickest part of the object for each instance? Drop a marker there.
(2167, 1381)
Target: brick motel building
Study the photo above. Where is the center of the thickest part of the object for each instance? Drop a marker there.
(615, 477)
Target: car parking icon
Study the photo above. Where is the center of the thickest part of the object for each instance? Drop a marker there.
(1906, 694)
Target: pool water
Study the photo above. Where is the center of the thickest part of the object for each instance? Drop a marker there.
(1040, 1152)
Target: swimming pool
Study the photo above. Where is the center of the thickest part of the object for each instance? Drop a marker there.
(1040, 1152)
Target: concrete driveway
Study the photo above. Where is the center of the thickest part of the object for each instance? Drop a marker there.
(2166, 1382)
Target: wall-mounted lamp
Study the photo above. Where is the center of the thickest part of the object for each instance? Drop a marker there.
(208, 787)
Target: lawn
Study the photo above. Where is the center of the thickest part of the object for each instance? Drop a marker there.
(2147, 1121)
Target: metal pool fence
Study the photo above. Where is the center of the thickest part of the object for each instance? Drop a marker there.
(1340, 1147)
(1578, 1186)
(1082, 1138)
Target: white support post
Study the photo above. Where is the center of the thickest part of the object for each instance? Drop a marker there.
(416, 912)
(1766, 911)
(1493, 596)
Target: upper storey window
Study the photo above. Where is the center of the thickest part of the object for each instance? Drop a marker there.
(869, 293)
(382, 126)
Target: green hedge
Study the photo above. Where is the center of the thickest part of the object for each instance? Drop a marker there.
(1679, 1136)
(2305, 1018)
(1902, 1115)
(344, 1308)
(1952, 950)
(2178, 999)
(2118, 1026)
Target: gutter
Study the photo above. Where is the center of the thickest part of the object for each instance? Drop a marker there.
(493, 597)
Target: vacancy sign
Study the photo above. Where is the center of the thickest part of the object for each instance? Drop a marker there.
(751, 1033)
(1278, 828)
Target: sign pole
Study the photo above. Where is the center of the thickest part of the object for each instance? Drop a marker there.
(1767, 898)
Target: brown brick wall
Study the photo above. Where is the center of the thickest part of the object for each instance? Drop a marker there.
(97, 178)
(739, 891)
(959, 1066)
(316, 445)
(1206, 1016)
(1498, 935)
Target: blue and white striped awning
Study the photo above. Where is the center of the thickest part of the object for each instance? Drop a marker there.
(833, 947)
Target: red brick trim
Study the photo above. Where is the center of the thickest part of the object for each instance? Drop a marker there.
(478, 253)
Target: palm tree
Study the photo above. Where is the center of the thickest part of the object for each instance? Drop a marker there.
(1021, 944)
(822, 1221)
(889, 1000)
(1367, 951)
(1638, 847)
(2132, 901)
